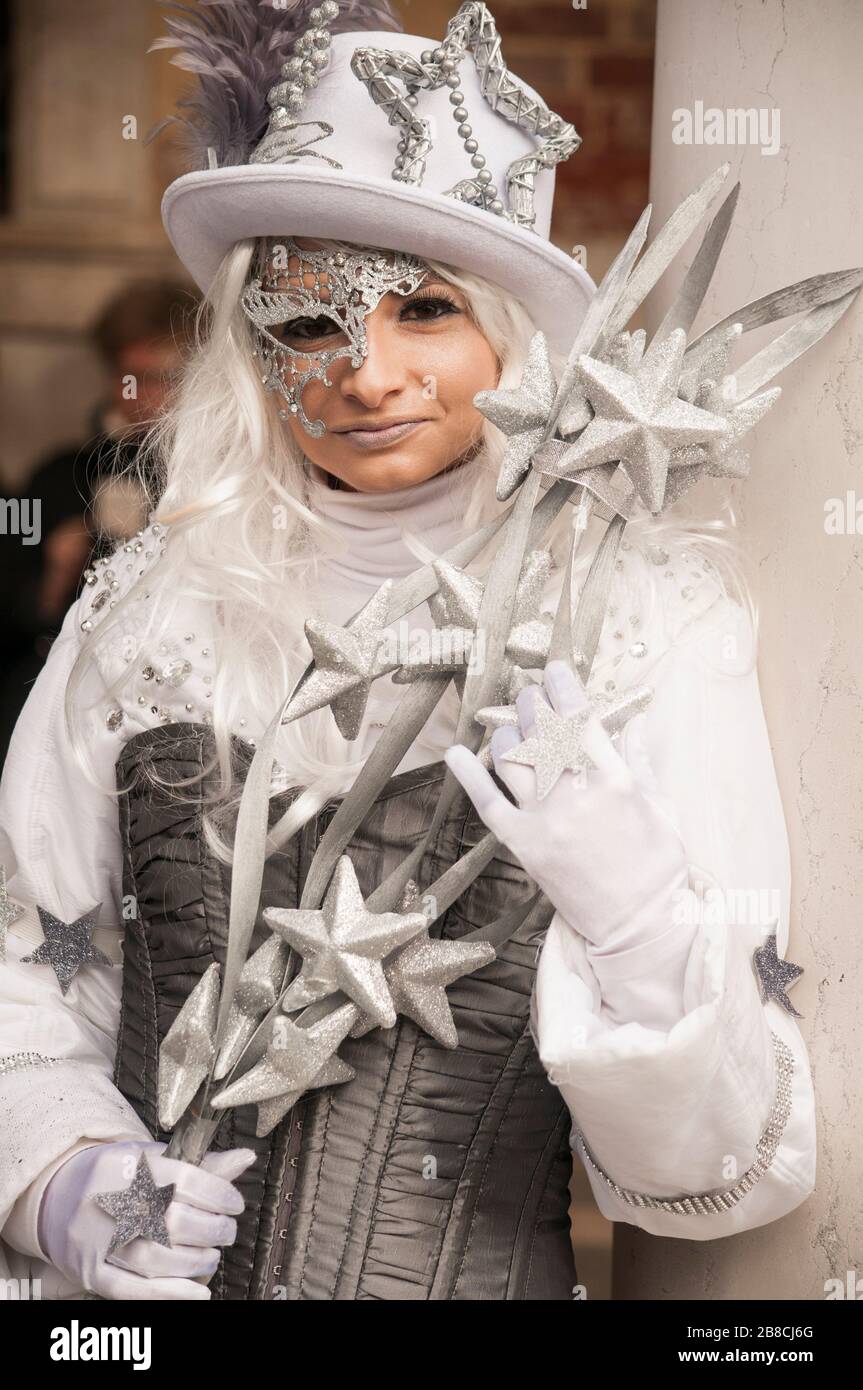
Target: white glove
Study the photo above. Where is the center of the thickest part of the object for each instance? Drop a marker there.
(605, 853)
(75, 1232)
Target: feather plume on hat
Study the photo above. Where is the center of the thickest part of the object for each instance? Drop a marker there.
(236, 49)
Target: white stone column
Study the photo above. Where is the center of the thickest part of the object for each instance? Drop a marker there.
(800, 212)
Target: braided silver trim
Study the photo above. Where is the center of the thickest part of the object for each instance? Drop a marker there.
(394, 80)
(718, 1200)
(17, 1061)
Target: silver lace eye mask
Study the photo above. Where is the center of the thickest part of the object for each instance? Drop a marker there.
(356, 280)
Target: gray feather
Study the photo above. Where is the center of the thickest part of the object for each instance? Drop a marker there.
(236, 49)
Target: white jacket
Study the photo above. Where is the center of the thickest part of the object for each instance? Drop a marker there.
(664, 1053)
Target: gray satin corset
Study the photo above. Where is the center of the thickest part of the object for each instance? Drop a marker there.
(435, 1173)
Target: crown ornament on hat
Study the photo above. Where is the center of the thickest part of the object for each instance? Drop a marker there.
(224, 50)
(395, 80)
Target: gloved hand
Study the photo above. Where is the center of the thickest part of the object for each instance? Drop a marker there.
(606, 854)
(75, 1232)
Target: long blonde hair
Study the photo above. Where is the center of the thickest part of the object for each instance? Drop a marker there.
(225, 461)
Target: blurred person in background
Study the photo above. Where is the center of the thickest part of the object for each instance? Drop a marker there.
(96, 493)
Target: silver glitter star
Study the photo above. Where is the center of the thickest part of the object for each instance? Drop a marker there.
(558, 741)
(67, 945)
(639, 421)
(139, 1209)
(334, 1072)
(556, 745)
(187, 1048)
(10, 911)
(775, 976)
(456, 607)
(625, 352)
(522, 413)
(417, 976)
(705, 382)
(723, 458)
(292, 1062)
(256, 993)
(613, 711)
(346, 664)
(343, 945)
(419, 972)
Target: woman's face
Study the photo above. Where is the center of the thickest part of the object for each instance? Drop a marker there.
(426, 361)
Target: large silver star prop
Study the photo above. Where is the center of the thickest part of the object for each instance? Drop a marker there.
(558, 741)
(775, 976)
(301, 1058)
(708, 385)
(521, 413)
(10, 911)
(296, 1060)
(639, 421)
(417, 976)
(67, 946)
(342, 945)
(347, 661)
(257, 992)
(188, 1048)
(138, 1209)
(455, 608)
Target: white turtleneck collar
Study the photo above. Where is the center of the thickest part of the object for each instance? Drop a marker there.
(368, 546)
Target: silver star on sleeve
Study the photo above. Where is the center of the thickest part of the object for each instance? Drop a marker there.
(343, 946)
(775, 976)
(10, 911)
(67, 946)
(138, 1209)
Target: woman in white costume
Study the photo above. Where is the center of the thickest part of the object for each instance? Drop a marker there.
(369, 219)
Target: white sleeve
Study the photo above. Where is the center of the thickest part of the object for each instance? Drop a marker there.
(717, 1105)
(60, 846)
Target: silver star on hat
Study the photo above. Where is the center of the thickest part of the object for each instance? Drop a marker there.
(67, 945)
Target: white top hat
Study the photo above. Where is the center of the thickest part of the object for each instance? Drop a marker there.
(368, 142)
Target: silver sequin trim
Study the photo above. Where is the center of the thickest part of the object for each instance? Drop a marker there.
(718, 1200)
(17, 1061)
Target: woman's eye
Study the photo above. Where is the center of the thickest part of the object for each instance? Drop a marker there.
(307, 330)
(431, 307)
